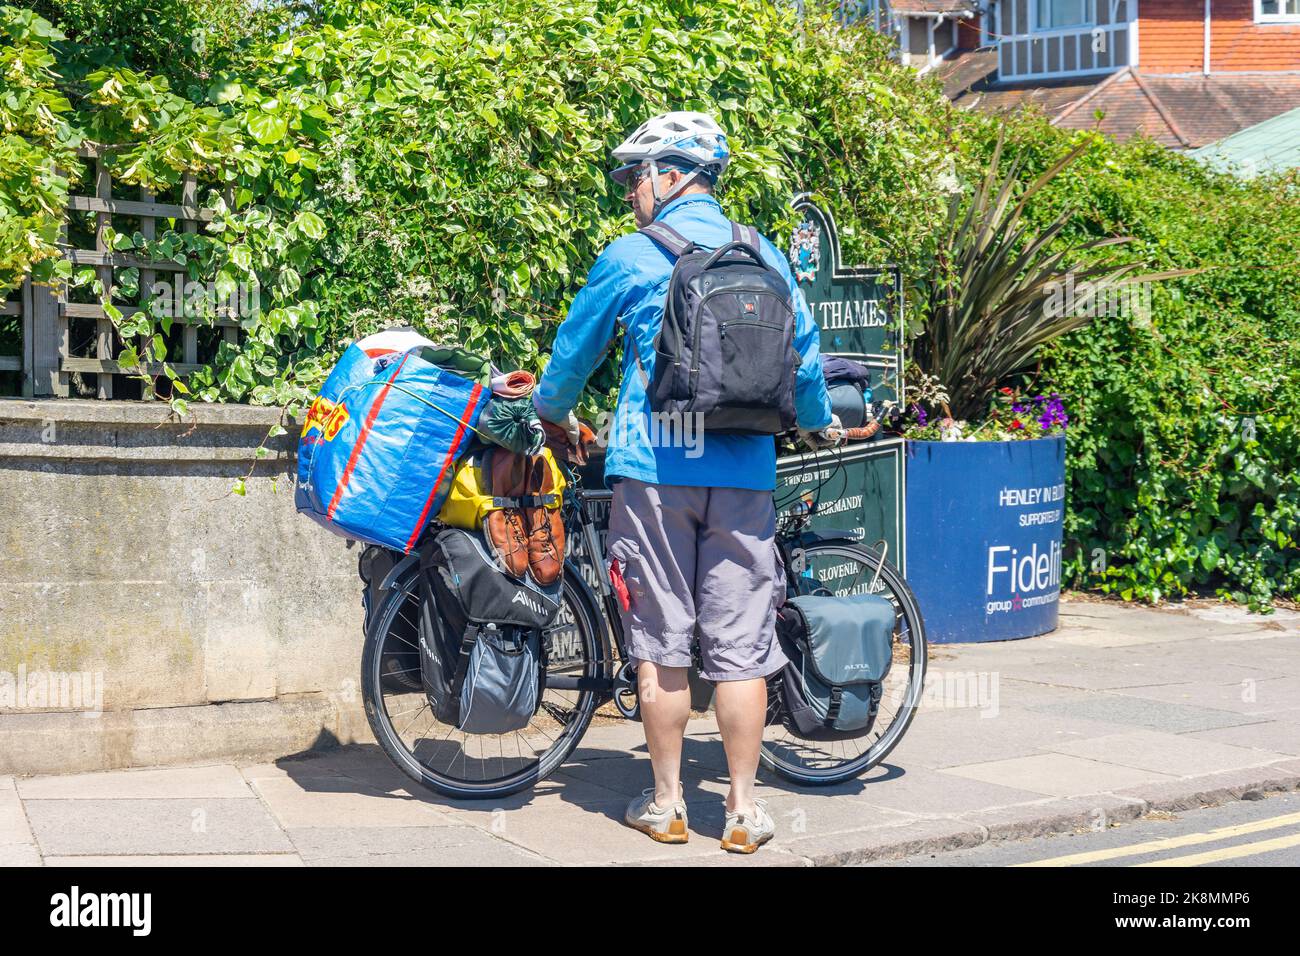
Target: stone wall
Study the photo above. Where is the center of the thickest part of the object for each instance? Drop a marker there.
(149, 615)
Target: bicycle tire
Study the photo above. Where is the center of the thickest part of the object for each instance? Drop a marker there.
(382, 624)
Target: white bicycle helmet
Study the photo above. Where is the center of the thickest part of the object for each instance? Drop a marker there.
(693, 142)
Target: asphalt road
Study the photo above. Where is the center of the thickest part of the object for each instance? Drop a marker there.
(1263, 832)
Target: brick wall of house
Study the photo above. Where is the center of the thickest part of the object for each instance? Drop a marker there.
(1238, 43)
(1172, 38)
(1171, 35)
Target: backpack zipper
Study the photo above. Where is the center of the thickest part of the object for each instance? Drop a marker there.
(722, 326)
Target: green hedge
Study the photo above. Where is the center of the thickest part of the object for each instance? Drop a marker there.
(1185, 455)
(445, 165)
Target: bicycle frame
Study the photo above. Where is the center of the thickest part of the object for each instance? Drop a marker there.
(581, 504)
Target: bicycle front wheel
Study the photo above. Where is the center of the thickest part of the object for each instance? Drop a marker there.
(842, 568)
(448, 760)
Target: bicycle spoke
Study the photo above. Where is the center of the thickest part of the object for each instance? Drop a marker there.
(416, 717)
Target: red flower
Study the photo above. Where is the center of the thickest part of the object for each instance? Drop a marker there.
(1005, 391)
(1017, 424)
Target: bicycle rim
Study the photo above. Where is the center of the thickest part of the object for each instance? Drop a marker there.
(827, 762)
(448, 760)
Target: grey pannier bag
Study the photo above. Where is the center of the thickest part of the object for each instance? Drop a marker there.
(482, 658)
(840, 649)
(502, 685)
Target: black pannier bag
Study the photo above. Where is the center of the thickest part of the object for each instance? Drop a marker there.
(480, 632)
(840, 651)
(725, 350)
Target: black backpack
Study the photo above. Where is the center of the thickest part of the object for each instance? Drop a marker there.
(725, 349)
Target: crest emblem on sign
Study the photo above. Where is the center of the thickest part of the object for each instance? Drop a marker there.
(806, 251)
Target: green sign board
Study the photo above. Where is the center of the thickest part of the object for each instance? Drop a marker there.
(859, 310)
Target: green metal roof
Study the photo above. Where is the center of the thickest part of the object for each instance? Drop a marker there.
(1269, 147)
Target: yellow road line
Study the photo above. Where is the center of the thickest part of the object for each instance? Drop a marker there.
(1228, 852)
(1169, 843)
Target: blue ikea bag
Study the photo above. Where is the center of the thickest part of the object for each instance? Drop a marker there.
(378, 451)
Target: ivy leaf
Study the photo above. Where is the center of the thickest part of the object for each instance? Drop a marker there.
(310, 225)
(128, 358)
(225, 91)
(522, 277)
(267, 128)
(1210, 555)
(288, 282)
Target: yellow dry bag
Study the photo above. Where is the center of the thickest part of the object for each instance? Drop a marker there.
(470, 498)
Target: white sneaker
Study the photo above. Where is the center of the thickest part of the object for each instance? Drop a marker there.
(662, 824)
(746, 832)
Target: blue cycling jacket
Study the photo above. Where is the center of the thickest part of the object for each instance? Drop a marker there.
(627, 287)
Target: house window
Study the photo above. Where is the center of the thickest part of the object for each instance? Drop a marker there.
(1277, 11)
(1056, 14)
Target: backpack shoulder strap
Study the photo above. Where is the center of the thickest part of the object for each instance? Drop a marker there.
(746, 234)
(668, 237)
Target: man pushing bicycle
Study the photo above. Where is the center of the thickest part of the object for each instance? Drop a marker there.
(721, 348)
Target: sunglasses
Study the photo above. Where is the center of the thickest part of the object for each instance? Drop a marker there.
(635, 180)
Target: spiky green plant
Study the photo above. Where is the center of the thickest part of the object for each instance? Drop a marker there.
(987, 307)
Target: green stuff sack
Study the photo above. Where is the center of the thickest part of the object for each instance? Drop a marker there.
(472, 366)
(513, 424)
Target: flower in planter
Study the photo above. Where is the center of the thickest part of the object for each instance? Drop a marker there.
(1053, 413)
(1011, 416)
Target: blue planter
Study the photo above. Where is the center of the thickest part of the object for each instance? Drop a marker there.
(984, 524)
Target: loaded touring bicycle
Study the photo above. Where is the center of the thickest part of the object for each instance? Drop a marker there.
(585, 676)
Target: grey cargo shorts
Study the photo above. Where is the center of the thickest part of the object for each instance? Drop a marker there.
(698, 560)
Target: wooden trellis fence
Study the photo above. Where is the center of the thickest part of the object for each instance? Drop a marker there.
(45, 314)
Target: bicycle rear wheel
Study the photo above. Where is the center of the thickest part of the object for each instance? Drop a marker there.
(448, 760)
(843, 568)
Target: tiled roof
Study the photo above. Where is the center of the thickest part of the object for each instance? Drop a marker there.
(1121, 107)
(969, 79)
(1211, 107)
(1182, 112)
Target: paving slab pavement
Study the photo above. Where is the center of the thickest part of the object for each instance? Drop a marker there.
(164, 826)
(180, 860)
(1119, 712)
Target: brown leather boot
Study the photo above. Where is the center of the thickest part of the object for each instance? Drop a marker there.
(545, 527)
(505, 530)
